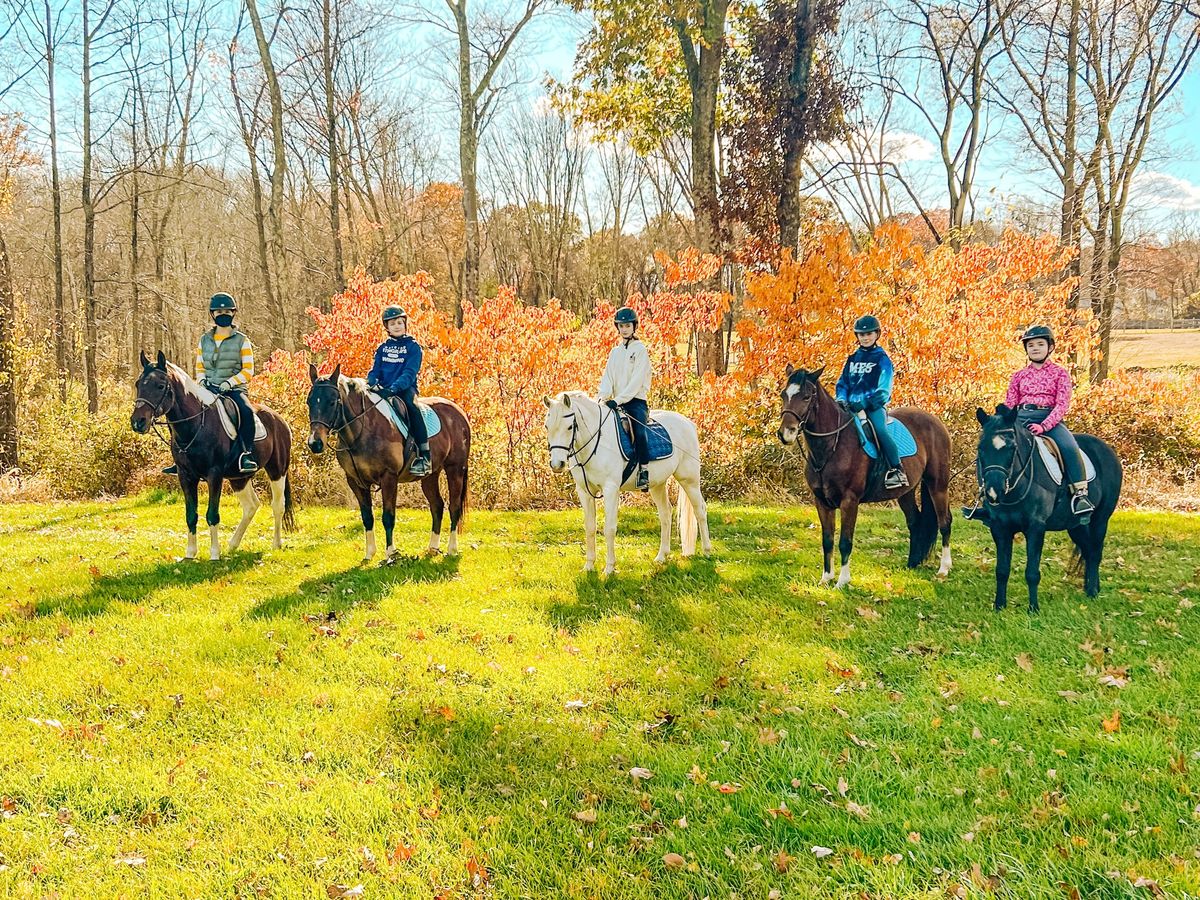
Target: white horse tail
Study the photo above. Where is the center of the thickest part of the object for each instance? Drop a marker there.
(687, 523)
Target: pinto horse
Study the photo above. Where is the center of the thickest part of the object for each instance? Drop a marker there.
(372, 452)
(583, 436)
(1020, 496)
(838, 472)
(203, 451)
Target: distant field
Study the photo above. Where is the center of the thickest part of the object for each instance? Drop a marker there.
(1155, 349)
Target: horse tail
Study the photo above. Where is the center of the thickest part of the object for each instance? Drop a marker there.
(688, 527)
(289, 508)
(464, 499)
(924, 528)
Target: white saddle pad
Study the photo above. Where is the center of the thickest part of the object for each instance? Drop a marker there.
(1050, 461)
(260, 430)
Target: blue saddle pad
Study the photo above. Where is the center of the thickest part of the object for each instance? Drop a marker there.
(433, 424)
(905, 443)
(658, 441)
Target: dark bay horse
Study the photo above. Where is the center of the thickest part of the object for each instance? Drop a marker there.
(202, 451)
(1020, 496)
(371, 452)
(838, 471)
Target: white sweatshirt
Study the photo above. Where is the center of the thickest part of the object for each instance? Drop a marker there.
(627, 373)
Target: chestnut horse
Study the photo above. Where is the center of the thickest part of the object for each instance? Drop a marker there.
(838, 471)
(203, 451)
(372, 452)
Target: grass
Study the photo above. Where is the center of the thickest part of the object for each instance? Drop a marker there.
(1155, 349)
(279, 724)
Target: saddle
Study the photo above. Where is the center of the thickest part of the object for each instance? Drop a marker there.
(1053, 461)
(228, 413)
(658, 440)
(393, 409)
(906, 444)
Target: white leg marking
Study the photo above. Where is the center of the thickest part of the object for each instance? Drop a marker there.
(278, 490)
(827, 577)
(452, 544)
(844, 577)
(370, 551)
(612, 499)
(249, 501)
(589, 530)
(214, 538)
(659, 493)
(193, 550)
(944, 569)
(435, 541)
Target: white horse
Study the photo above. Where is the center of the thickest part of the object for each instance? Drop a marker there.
(583, 435)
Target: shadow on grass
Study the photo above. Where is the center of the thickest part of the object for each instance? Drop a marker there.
(136, 586)
(652, 600)
(359, 584)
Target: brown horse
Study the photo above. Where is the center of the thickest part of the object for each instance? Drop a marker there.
(371, 452)
(838, 471)
(203, 451)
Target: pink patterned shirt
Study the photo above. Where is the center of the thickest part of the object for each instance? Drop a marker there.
(1049, 385)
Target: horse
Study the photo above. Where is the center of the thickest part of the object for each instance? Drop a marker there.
(372, 452)
(839, 472)
(583, 434)
(1020, 496)
(202, 451)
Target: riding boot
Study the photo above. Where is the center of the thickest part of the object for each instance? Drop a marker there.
(895, 478)
(643, 479)
(421, 463)
(247, 465)
(172, 469)
(1081, 504)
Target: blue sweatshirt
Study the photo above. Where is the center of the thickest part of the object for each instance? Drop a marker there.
(866, 378)
(397, 363)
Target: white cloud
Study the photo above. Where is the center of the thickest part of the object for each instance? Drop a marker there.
(904, 146)
(1158, 189)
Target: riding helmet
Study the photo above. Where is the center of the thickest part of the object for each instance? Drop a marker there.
(221, 301)
(394, 312)
(866, 325)
(1038, 331)
(625, 315)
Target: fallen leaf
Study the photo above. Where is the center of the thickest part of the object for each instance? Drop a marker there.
(673, 861)
(867, 612)
(637, 773)
(821, 852)
(130, 859)
(1151, 885)
(336, 891)
(854, 809)
(914, 837)
(1025, 661)
(728, 788)
(402, 852)
(782, 861)
(586, 816)
(843, 786)
(1113, 722)
(577, 704)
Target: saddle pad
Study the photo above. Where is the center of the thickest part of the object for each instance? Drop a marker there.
(658, 441)
(227, 422)
(432, 423)
(1050, 461)
(905, 443)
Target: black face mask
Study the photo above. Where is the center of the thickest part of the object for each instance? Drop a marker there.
(224, 320)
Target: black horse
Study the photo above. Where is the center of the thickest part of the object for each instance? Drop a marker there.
(1019, 496)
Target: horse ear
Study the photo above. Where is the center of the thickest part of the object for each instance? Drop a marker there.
(982, 415)
(1005, 413)
(567, 400)
(144, 359)
(546, 400)
(312, 374)
(162, 360)
(816, 376)
(337, 374)
(788, 370)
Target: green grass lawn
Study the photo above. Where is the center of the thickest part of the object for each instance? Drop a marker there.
(281, 723)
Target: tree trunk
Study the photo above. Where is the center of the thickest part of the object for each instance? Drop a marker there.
(335, 224)
(795, 138)
(135, 302)
(90, 334)
(468, 154)
(1070, 231)
(59, 321)
(8, 389)
(281, 335)
(1108, 302)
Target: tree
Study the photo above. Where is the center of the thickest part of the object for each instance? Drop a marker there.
(13, 157)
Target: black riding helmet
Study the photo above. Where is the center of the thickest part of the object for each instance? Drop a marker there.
(1038, 331)
(625, 315)
(394, 312)
(221, 302)
(866, 325)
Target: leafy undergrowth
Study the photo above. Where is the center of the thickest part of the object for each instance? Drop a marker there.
(284, 724)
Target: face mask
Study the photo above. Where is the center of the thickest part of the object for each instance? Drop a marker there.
(224, 320)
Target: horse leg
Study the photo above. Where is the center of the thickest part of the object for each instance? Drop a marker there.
(700, 509)
(249, 500)
(433, 496)
(827, 515)
(658, 493)
(363, 496)
(849, 510)
(941, 504)
(588, 502)
(612, 499)
(1035, 538)
(1097, 532)
(1004, 549)
(387, 487)
(214, 516)
(456, 487)
(191, 511)
(278, 507)
(912, 518)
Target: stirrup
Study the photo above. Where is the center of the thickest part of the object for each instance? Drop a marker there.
(643, 479)
(246, 464)
(1081, 505)
(419, 467)
(895, 478)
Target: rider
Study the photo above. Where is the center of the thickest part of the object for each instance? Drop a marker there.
(225, 365)
(1041, 394)
(394, 374)
(866, 385)
(626, 385)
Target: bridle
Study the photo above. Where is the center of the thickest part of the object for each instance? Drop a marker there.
(158, 415)
(802, 421)
(573, 452)
(338, 405)
(1011, 482)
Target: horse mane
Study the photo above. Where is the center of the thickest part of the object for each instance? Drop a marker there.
(191, 385)
(354, 385)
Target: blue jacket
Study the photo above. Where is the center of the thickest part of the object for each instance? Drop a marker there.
(397, 363)
(866, 378)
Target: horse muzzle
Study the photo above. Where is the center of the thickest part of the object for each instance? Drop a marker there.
(316, 444)
(139, 424)
(787, 434)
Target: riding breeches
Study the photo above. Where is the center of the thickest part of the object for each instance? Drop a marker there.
(878, 419)
(639, 411)
(416, 421)
(245, 426)
(1067, 445)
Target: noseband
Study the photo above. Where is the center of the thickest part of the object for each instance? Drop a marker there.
(573, 453)
(1011, 481)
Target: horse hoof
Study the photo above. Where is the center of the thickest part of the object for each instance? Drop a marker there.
(842, 584)
(999, 607)
(660, 559)
(609, 571)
